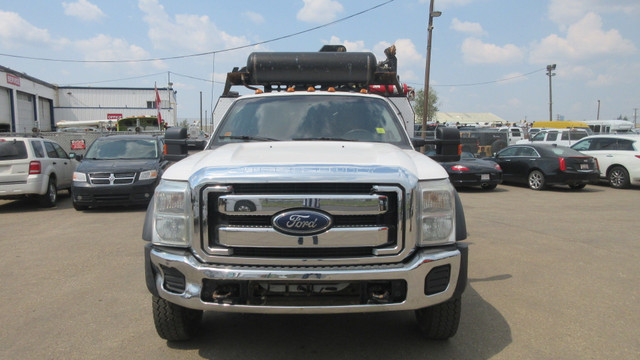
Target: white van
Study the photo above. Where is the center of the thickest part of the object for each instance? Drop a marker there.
(610, 126)
(563, 137)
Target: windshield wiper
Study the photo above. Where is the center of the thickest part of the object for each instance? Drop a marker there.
(247, 138)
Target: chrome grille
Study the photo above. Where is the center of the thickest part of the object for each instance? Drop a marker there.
(107, 178)
(366, 220)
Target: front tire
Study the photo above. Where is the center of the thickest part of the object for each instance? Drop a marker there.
(440, 322)
(50, 197)
(174, 322)
(619, 177)
(536, 180)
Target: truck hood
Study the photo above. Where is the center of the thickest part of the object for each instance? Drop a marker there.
(305, 154)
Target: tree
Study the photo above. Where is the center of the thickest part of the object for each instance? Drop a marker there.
(432, 106)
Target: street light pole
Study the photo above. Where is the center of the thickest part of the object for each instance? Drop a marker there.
(550, 73)
(432, 14)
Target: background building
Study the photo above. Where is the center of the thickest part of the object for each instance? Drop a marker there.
(27, 103)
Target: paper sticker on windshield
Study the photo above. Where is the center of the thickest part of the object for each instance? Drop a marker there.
(380, 130)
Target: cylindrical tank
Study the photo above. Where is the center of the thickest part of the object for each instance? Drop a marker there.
(319, 68)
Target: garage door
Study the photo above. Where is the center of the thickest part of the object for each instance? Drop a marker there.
(5, 109)
(26, 113)
(44, 111)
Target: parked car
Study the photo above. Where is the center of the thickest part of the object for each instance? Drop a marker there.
(564, 137)
(471, 171)
(197, 138)
(34, 167)
(514, 133)
(119, 170)
(541, 165)
(618, 157)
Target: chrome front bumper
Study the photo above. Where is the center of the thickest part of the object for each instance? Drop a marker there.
(413, 273)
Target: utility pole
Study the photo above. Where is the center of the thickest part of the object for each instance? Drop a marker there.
(598, 114)
(432, 14)
(550, 73)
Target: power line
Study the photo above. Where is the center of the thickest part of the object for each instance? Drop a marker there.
(204, 53)
(114, 80)
(492, 81)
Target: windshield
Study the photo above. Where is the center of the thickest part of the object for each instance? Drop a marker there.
(113, 148)
(304, 117)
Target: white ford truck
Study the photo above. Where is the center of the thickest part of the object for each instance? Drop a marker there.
(309, 198)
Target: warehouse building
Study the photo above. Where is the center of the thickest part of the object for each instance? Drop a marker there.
(28, 104)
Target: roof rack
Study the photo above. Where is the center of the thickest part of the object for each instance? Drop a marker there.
(332, 67)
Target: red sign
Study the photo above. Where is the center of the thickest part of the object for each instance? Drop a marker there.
(78, 144)
(13, 80)
(114, 116)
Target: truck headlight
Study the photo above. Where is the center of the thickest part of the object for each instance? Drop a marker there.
(172, 211)
(436, 213)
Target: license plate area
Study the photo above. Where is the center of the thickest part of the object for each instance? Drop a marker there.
(584, 166)
(485, 177)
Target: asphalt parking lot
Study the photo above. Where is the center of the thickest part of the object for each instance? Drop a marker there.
(553, 275)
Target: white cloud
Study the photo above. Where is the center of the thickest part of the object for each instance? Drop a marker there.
(191, 32)
(104, 48)
(585, 39)
(352, 46)
(467, 27)
(253, 17)
(566, 12)
(14, 30)
(83, 10)
(477, 52)
(319, 11)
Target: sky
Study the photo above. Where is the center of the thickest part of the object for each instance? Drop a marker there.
(487, 56)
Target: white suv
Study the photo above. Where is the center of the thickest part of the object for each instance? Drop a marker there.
(618, 157)
(562, 137)
(31, 166)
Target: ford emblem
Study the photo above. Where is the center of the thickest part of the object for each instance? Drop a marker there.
(301, 222)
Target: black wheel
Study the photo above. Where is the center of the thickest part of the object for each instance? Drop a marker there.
(174, 322)
(488, 186)
(50, 197)
(440, 322)
(536, 180)
(619, 177)
(244, 205)
(577, 186)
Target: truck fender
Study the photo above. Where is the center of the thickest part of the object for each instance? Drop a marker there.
(147, 228)
(461, 224)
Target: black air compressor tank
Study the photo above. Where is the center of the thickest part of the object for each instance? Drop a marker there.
(309, 68)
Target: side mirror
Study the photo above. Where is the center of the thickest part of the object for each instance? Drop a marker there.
(175, 143)
(77, 157)
(447, 144)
